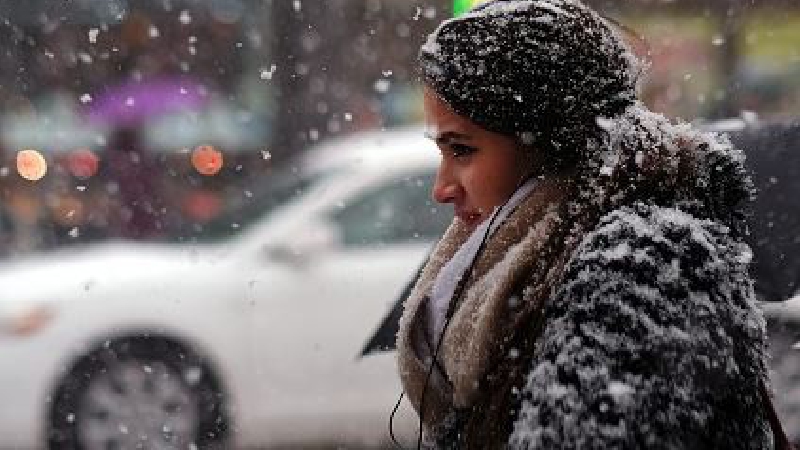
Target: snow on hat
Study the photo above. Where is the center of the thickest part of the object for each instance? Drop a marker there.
(543, 71)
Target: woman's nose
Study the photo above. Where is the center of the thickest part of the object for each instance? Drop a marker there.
(445, 187)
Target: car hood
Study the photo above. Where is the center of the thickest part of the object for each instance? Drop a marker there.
(64, 273)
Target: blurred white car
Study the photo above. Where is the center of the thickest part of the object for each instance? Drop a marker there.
(773, 156)
(783, 326)
(249, 342)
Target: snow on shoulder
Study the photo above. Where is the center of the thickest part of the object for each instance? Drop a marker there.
(656, 305)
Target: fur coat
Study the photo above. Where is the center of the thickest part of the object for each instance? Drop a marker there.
(612, 309)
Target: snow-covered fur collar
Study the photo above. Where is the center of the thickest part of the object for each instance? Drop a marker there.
(641, 159)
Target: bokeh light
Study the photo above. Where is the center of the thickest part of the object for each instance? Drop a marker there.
(207, 160)
(31, 165)
(83, 163)
(202, 205)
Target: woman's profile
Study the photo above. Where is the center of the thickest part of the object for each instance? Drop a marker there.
(593, 288)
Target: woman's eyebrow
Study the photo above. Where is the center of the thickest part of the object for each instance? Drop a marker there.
(448, 136)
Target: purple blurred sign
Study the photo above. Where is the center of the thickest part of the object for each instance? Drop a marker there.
(134, 102)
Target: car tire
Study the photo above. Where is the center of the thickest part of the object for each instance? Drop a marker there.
(141, 392)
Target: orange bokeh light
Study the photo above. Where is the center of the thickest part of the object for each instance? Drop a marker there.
(207, 160)
(83, 163)
(202, 206)
(31, 165)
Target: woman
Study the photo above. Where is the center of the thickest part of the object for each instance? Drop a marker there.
(592, 291)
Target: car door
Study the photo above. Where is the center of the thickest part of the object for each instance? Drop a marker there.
(382, 232)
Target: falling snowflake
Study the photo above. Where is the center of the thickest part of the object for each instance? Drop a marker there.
(382, 85)
(749, 116)
(267, 73)
(193, 375)
(93, 32)
(185, 18)
(86, 98)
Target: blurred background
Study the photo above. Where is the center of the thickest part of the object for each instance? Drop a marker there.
(138, 136)
(259, 81)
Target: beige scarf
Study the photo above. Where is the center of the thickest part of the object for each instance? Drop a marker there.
(495, 293)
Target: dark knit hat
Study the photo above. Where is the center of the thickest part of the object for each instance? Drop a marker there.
(541, 70)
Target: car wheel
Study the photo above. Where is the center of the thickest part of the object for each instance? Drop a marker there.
(139, 393)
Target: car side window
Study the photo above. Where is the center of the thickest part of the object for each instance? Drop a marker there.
(399, 211)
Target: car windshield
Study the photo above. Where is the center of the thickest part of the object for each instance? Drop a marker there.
(244, 208)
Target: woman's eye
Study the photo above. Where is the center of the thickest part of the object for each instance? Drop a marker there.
(460, 150)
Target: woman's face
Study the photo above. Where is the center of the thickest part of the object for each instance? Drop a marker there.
(479, 169)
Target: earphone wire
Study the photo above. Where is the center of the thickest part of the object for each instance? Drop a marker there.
(451, 308)
(397, 444)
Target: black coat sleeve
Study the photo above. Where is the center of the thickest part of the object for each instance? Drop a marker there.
(652, 341)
